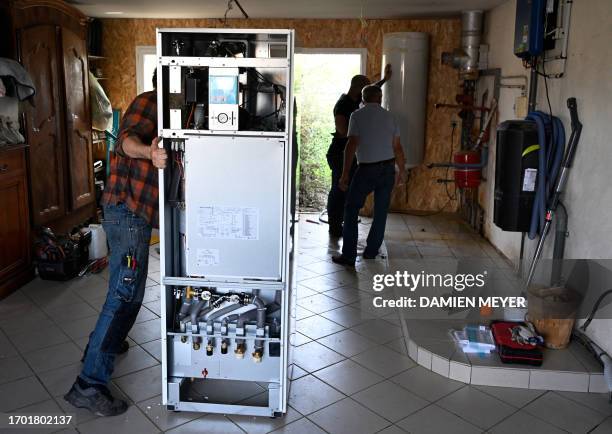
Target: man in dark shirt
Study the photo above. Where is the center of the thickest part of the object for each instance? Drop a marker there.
(346, 105)
(130, 212)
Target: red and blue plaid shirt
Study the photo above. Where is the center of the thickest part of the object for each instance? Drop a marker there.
(133, 181)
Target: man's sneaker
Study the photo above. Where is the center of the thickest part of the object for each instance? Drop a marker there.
(341, 260)
(96, 399)
(366, 255)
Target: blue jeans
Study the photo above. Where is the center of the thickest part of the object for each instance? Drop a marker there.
(380, 179)
(127, 234)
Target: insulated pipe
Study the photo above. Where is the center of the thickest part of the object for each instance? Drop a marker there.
(471, 31)
(261, 324)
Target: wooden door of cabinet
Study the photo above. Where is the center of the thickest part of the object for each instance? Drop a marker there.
(15, 263)
(38, 53)
(78, 124)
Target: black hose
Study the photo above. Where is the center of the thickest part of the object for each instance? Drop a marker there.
(595, 308)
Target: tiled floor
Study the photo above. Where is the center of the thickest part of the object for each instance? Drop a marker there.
(352, 373)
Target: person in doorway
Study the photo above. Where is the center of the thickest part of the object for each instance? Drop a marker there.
(346, 105)
(373, 134)
(130, 204)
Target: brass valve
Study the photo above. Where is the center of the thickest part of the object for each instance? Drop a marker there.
(196, 346)
(224, 346)
(239, 351)
(257, 355)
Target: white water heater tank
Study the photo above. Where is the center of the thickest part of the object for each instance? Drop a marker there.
(405, 95)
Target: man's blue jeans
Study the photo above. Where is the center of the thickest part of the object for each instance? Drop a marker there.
(128, 235)
(380, 179)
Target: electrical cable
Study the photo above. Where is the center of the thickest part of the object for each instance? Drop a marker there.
(595, 308)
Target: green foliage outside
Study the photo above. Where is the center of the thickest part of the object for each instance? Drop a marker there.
(320, 79)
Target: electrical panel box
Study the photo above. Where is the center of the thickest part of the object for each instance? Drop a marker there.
(227, 226)
(529, 28)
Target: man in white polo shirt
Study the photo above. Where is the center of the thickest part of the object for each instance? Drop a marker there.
(373, 134)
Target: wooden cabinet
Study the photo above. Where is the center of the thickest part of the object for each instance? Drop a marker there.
(15, 259)
(50, 43)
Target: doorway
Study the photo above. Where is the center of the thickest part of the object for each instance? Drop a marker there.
(320, 77)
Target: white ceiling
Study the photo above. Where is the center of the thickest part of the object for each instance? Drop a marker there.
(277, 8)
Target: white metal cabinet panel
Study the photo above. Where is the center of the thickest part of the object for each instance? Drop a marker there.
(234, 204)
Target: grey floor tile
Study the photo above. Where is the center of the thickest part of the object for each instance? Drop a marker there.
(301, 426)
(296, 372)
(347, 316)
(21, 393)
(523, 422)
(476, 407)
(309, 394)
(322, 267)
(393, 429)
(515, 397)
(398, 345)
(134, 360)
(595, 401)
(316, 327)
(146, 331)
(153, 348)
(564, 413)
(132, 421)
(321, 283)
(298, 339)
(13, 368)
(314, 356)
(47, 408)
(32, 320)
(53, 357)
(263, 425)
(7, 349)
(345, 294)
(72, 312)
(163, 418)
(604, 427)
(319, 303)
(301, 313)
(436, 420)
(145, 315)
(30, 340)
(348, 417)
(154, 306)
(80, 327)
(58, 381)
(347, 342)
(383, 361)
(348, 377)
(228, 391)
(304, 291)
(141, 385)
(212, 423)
(426, 384)
(390, 400)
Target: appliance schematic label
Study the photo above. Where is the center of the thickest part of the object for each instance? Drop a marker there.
(207, 257)
(228, 223)
(529, 181)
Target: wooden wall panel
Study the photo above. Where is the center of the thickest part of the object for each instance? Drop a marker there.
(121, 36)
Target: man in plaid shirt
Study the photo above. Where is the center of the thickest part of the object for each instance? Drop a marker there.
(130, 212)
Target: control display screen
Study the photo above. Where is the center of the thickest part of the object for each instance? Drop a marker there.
(223, 89)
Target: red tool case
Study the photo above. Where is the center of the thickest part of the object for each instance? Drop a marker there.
(513, 352)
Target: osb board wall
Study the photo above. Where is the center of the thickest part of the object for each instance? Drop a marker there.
(121, 36)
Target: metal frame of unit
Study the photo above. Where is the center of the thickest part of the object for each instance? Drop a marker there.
(230, 368)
